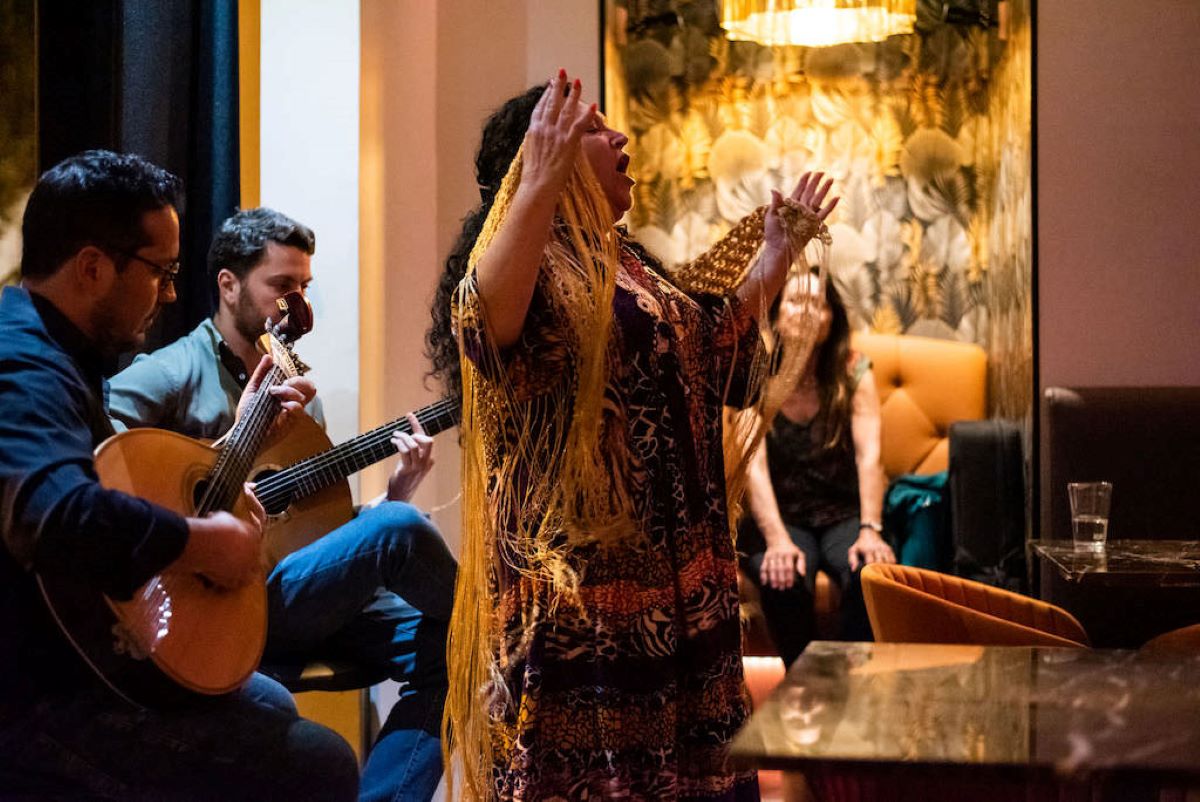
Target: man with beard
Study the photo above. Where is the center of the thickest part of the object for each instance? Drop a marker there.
(99, 258)
(377, 591)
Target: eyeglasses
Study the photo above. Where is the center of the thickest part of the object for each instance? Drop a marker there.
(168, 272)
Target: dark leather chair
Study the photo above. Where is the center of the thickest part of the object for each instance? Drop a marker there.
(1145, 440)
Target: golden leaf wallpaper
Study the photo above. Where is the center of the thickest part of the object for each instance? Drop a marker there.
(18, 127)
(927, 135)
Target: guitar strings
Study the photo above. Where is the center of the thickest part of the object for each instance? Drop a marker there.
(217, 494)
(277, 487)
(262, 414)
(368, 441)
(237, 456)
(234, 463)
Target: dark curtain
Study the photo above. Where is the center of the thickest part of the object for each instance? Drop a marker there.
(78, 77)
(158, 78)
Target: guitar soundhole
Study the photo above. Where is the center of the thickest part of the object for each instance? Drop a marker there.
(198, 493)
(274, 504)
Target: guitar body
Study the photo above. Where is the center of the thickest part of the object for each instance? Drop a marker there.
(310, 517)
(178, 631)
(180, 634)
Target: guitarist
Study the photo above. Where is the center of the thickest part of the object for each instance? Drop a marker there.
(377, 591)
(100, 255)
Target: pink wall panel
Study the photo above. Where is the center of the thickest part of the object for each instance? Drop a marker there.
(1118, 194)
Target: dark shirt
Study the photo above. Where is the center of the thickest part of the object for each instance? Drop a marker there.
(54, 515)
(816, 485)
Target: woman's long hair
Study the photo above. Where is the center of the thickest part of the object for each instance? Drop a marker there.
(503, 134)
(579, 494)
(502, 137)
(834, 380)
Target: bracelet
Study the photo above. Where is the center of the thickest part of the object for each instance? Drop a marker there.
(874, 526)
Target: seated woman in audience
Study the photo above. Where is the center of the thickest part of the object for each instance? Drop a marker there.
(815, 492)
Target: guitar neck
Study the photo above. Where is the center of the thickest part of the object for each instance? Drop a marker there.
(322, 470)
(244, 441)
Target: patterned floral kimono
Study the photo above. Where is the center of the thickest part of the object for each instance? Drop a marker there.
(634, 689)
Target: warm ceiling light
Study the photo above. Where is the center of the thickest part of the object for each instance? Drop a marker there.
(816, 23)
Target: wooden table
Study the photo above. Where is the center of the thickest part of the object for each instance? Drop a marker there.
(908, 721)
(1127, 593)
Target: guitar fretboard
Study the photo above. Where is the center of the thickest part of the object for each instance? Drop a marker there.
(321, 470)
(233, 463)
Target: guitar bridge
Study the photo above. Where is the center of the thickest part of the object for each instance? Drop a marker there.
(145, 623)
(126, 643)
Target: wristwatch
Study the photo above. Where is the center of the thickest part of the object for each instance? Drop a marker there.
(872, 525)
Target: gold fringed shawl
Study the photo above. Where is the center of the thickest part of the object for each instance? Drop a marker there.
(720, 271)
(536, 468)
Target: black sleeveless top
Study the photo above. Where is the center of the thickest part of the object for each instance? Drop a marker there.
(815, 486)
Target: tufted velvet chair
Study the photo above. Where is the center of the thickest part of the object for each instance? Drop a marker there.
(924, 386)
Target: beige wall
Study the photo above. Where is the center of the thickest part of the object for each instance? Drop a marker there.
(398, 221)
(431, 73)
(308, 168)
(1118, 193)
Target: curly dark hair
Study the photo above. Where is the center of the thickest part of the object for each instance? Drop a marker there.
(502, 136)
(93, 198)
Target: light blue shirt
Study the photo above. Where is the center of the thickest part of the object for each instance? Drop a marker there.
(191, 386)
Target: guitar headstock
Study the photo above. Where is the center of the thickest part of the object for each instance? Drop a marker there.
(295, 321)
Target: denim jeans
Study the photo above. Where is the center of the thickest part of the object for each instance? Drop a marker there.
(378, 593)
(249, 745)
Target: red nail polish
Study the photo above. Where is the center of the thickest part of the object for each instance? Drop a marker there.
(577, 84)
(562, 74)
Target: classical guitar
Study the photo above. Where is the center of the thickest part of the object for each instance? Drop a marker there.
(309, 497)
(180, 634)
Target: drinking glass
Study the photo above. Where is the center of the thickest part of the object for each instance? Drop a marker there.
(1089, 514)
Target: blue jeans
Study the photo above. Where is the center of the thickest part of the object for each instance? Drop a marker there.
(378, 593)
(249, 745)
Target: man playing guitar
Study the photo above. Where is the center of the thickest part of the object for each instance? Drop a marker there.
(377, 591)
(100, 254)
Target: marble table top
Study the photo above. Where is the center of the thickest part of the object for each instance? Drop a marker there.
(1066, 711)
(1162, 563)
